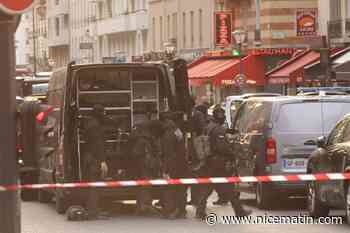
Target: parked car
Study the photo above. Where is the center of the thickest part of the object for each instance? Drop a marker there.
(332, 155)
(233, 102)
(274, 136)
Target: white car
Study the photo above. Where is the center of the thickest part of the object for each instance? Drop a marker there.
(234, 102)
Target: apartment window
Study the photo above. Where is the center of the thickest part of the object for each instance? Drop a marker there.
(109, 8)
(66, 20)
(192, 28)
(335, 8)
(57, 26)
(174, 25)
(161, 40)
(132, 6)
(154, 33)
(168, 27)
(200, 26)
(184, 30)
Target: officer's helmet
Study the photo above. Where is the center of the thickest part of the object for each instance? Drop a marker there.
(219, 114)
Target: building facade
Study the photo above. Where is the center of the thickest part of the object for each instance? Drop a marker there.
(121, 29)
(58, 32)
(82, 39)
(187, 24)
(335, 21)
(20, 38)
(35, 24)
(276, 23)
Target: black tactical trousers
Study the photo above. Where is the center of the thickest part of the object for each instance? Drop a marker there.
(229, 190)
(144, 194)
(93, 174)
(221, 190)
(174, 198)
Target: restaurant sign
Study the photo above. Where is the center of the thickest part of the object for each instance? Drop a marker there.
(306, 22)
(223, 29)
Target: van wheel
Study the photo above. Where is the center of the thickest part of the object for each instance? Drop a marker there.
(263, 197)
(61, 204)
(347, 204)
(314, 206)
(44, 197)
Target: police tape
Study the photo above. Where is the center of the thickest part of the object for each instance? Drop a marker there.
(184, 181)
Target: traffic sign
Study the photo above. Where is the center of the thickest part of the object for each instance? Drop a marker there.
(13, 7)
(241, 79)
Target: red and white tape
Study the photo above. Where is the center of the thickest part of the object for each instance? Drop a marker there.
(185, 181)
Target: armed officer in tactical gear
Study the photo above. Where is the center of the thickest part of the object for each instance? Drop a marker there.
(219, 164)
(95, 163)
(145, 150)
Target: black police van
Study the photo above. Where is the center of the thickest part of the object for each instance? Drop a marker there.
(130, 94)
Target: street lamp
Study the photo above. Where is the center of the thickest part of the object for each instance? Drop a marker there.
(170, 50)
(239, 36)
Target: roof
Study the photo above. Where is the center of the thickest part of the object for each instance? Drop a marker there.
(298, 99)
(251, 95)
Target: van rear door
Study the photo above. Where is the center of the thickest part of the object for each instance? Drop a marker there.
(297, 125)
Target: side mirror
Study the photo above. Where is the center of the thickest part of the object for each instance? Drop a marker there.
(321, 142)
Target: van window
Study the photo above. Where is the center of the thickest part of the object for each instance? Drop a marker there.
(307, 117)
(253, 117)
(234, 108)
(103, 80)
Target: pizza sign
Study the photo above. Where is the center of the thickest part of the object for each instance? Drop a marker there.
(306, 22)
(223, 29)
(15, 6)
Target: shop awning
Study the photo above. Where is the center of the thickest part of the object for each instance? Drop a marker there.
(292, 71)
(223, 71)
(342, 71)
(209, 69)
(316, 71)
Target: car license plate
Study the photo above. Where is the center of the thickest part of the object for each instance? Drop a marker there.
(294, 164)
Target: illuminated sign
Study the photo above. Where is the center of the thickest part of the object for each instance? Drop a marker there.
(223, 29)
(273, 51)
(306, 22)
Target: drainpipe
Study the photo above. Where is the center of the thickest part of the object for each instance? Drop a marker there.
(257, 35)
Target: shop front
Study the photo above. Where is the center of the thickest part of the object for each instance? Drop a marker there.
(215, 76)
(338, 75)
(286, 77)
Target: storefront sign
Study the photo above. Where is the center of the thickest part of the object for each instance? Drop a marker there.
(306, 22)
(15, 6)
(223, 29)
(273, 51)
(226, 82)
